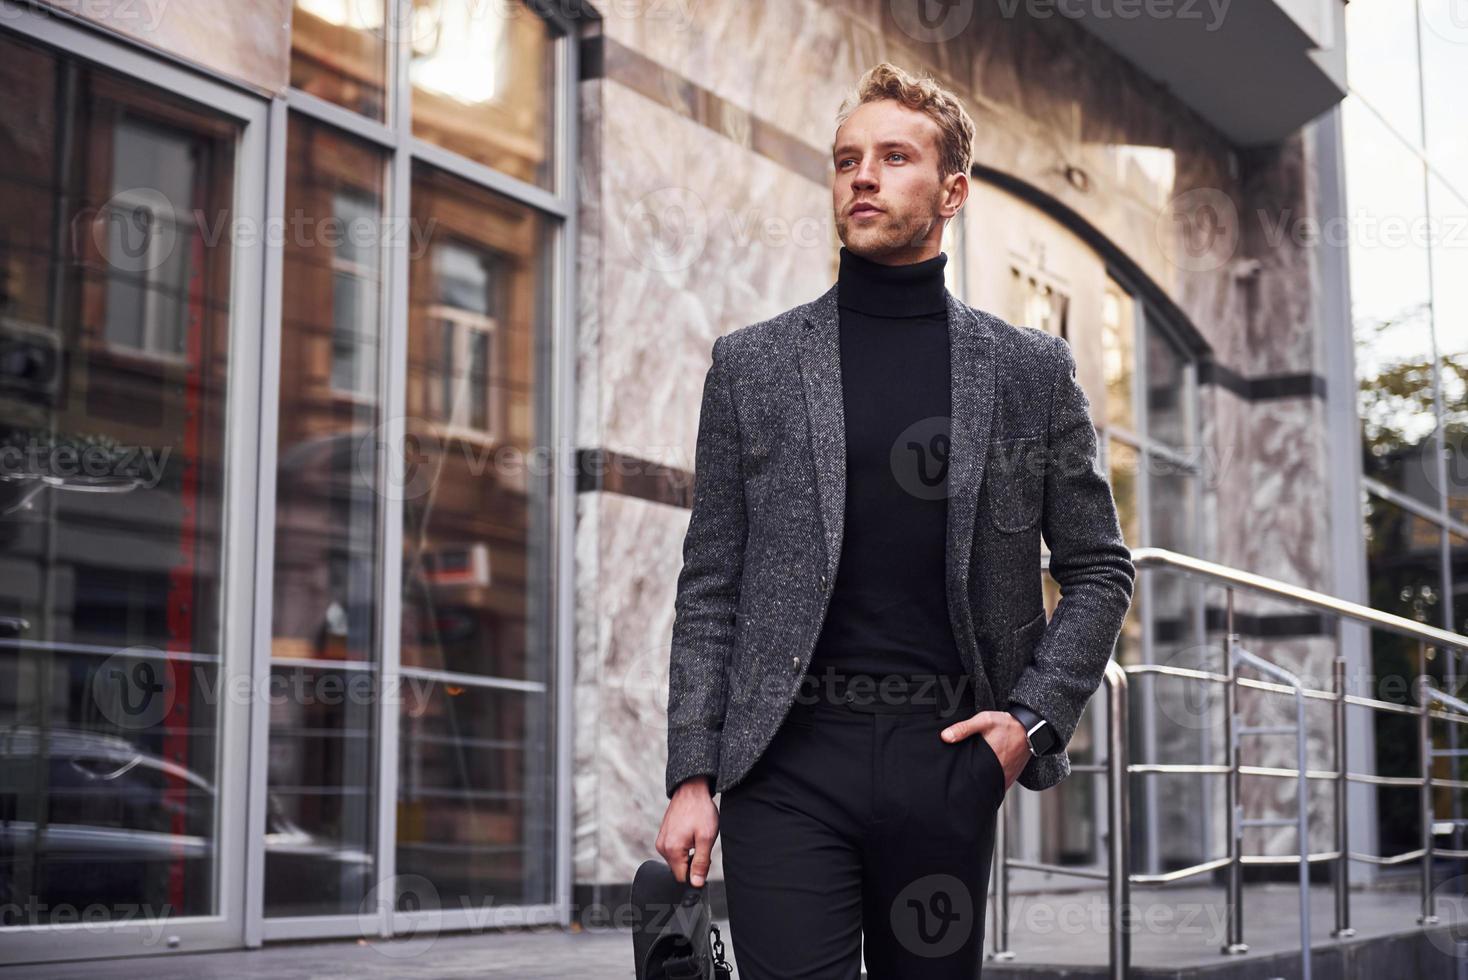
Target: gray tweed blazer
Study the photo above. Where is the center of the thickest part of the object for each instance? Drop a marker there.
(764, 535)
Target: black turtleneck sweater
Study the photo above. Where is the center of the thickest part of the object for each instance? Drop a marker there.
(889, 605)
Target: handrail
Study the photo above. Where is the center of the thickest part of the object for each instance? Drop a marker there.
(1117, 769)
(1162, 557)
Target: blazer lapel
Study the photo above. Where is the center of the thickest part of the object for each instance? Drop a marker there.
(972, 369)
(820, 372)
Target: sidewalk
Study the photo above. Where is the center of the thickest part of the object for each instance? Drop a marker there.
(1053, 934)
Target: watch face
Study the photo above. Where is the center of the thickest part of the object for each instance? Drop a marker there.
(1040, 739)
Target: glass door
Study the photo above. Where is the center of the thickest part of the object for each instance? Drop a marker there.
(127, 427)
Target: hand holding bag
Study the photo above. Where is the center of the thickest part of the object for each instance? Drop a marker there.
(673, 935)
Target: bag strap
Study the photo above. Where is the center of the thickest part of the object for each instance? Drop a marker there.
(722, 969)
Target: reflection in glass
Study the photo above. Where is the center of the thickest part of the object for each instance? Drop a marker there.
(1390, 306)
(1404, 576)
(1123, 466)
(319, 831)
(1038, 303)
(1119, 355)
(323, 638)
(115, 323)
(339, 52)
(1169, 387)
(475, 796)
(1452, 670)
(1182, 722)
(483, 77)
(1458, 558)
(473, 784)
(1450, 322)
(1176, 599)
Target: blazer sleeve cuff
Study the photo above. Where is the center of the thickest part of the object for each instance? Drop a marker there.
(692, 752)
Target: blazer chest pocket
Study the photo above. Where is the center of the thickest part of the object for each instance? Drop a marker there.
(1016, 477)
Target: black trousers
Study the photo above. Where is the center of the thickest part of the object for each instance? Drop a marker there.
(862, 823)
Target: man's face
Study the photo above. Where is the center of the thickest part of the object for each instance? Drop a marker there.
(886, 155)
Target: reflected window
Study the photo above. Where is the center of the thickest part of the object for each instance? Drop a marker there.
(466, 320)
(482, 78)
(355, 287)
(147, 283)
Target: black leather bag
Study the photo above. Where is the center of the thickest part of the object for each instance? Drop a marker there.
(673, 935)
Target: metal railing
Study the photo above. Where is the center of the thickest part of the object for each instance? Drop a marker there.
(1118, 770)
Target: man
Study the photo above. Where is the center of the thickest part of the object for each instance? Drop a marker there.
(861, 584)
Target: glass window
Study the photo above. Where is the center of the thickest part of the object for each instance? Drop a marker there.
(1123, 465)
(1119, 355)
(320, 833)
(1444, 79)
(1390, 305)
(1458, 556)
(339, 53)
(475, 792)
(1404, 576)
(1039, 304)
(1172, 517)
(1450, 320)
(115, 323)
(1381, 60)
(483, 79)
(1170, 395)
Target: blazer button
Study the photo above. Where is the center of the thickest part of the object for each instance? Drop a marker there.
(794, 663)
(823, 583)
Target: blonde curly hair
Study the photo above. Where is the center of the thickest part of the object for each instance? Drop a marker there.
(887, 81)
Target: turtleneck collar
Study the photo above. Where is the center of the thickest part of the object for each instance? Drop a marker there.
(891, 290)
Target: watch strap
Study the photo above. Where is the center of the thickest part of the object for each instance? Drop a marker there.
(1038, 732)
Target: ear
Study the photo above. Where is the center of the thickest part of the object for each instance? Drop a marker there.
(955, 193)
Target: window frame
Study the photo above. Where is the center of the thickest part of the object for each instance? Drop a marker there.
(554, 401)
(81, 41)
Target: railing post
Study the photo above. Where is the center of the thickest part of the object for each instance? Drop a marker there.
(1001, 886)
(1307, 953)
(1118, 811)
(1232, 817)
(1343, 928)
(1301, 821)
(1424, 733)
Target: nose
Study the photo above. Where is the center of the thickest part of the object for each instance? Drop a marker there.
(865, 177)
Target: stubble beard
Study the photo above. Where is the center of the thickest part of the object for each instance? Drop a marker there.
(889, 233)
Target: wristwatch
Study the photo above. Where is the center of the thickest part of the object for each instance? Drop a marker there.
(1038, 732)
